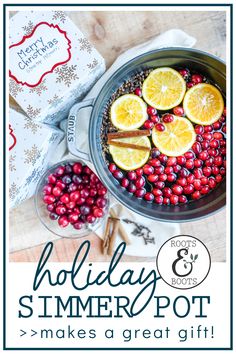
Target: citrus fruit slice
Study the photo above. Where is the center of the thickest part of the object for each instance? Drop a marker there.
(130, 159)
(203, 104)
(164, 88)
(128, 112)
(177, 138)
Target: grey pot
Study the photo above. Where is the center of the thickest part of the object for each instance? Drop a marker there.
(200, 61)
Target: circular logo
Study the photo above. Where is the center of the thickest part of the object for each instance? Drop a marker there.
(183, 262)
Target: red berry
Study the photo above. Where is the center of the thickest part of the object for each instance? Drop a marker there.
(156, 192)
(190, 84)
(47, 189)
(197, 172)
(198, 163)
(49, 199)
(199, 129)
(148, 170)
(166, 201)
(162, 177)
(155, 153)
(181, 160)
(90, 219)
(101, 202)
(98, 213)
(218, 160)
(63, 221)
(203, 155)
(178, 111)
(78, 225)
(151, 111)
(149, 197)
(207, 171)
(118, 174)
(56, 191)
(209, 162)
(139, 193)
(102, 191)
(189, 155)
(189, 164)
(155, 119)
(50, 207)
(59, 171)
(216, 125)
(196, 78)
(171, 177)
(160, 184)
(140, 182)
(197, 148)
(217, 135)
(159, 199)
(77, 168)
(74, 196)
(168, 118)
(182, 181)
(205, 189)
(70, 205)
(112, 167)
(73, 217)
(163, 158)
(139, 172)
(214, 143)
(52, 179)
(124, 182)
(131, 188)
(204, 180)
(65, 198)
(205, 144)
(184, 72)
(177, 189)
(197, 184)
(188, 189)
(190, 178)
(81, 201)
(219, 178)
(159, 169)
(183, 199)
(171, 161)
(212, 182)
(168, 169)
(148, 124)
(160, 127)
(138, 92)
(152, 178)
(208, 128)
(224, 111)
(167, 192)
(53, 216)
(196, 195)
(90, 201)
(131, 175)
(92, 192)
(174, 199)
(154, 162)
(60, 185)
(60, 209)
(207, 136)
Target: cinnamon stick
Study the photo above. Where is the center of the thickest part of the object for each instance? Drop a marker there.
(122, 232)
(106, 238)
(113, 236)
(128, 146)
(128, 134)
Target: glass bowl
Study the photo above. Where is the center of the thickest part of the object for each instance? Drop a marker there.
(52, 225)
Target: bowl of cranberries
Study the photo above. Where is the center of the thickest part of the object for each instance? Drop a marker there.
(70, 199)
(167, 160)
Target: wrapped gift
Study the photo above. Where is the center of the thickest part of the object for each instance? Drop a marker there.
(31, 146)
(51, 64)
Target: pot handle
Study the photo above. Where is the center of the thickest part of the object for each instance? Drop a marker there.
(71, 128)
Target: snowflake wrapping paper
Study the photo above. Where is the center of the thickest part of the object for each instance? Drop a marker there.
(51, 65)
(31, 146)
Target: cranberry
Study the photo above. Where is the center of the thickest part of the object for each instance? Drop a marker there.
(156, 192)
(139, 172)
(224, 111)
(47, 189)
(205, 189)
(178, 111)
(60, 185)
(216, 125)
(159, 199)
(56, 191)
(188, 189)
(70, 205)
(171, 177)
(73, 217)
(131, 175)
(208, 128)
(118, 174)
(140, 182)
(98, 213)
(163, 158)
(92, 192)
(215, 170)
(90, 201)
(183, 172)
(63, 221)
(214, 143)
(50, 207)
(197, 172)
(196, 195)
(197, 184)
(131, 188)
(222, 171)
(60, 209)
(65, 198)
(196, 78)
(85, 209)
(81, 201)
(184, 73)
(177, 168)
(160, 127)
(151, 111)
(177, 189)
(190, 84)
(159, 169)
(212, 182)
(196, 148)
(203, 155)
(90, 219)
(85, 179)
(174, 199)
(212, 152)
(224, 129)
(168, 169)
(66, 179)
(77, 168)
(155, 153)
(204, 180)
(139, 193)
(171, 161)
(138, 92)
(52, 179)
(72, 187)
(148, 170)
(87, 170)
(189, 164)
(219, 178)
(222, 143)
(49, 199)
(209, 162)
(162, 177)
(167, 192)
(160, 184)
(148, 124)
(198, 163)
(218, 160)
(124, 182)
(102, 191)
(199, 129)
(218, 136)
(155, 119)
(183, 199)
(76, 179)
(74, 196)
(181, 160)
(205, 144)
(199, 138)
(154, 162)
(207, 136)
(168, 118)
(53, 216)
(112, 167)
(101, 202)
(189, 155)
(207, 171)
(166, 201)
(78, 225)
(149, 197)
(68, 168)
(182, 181)
(59, 171)
(190, 178)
